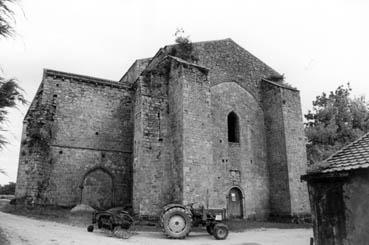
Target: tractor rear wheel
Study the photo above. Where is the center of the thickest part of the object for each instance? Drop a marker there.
(220, 231)
(177, 222)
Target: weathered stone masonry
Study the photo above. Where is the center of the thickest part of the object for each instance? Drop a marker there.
(90, 129)
(160, 135)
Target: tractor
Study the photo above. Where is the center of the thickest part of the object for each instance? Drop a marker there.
(177, 220)
(110, 219)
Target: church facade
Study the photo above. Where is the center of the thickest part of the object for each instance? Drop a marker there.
(203, 122)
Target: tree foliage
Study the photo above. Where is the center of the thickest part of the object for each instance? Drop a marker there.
(8, 189)
(336, 120)
(10, 92)
(10, 95)
(6, 18)
(184, 48)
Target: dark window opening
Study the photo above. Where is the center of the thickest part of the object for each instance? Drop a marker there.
(233, 128)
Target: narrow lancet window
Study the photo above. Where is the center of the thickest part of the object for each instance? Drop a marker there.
(233, 128)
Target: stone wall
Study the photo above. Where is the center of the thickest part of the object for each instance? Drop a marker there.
(339, 208)
(328, 213)
(34, 160)
(286, 150)
(152, 144)
(26, 167)
(246, 158)
(90, 128)
(229, 62)
(22, 175)
(355, 197)
(175, 109)
(196, 134)
(276, 150)
(169, 153)
(295, 151)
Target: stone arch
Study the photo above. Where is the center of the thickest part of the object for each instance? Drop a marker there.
(97, 188)
(224, 85)
(235, 203)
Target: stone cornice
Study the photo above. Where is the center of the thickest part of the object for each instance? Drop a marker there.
(81, 78)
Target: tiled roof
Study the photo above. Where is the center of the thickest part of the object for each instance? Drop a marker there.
(350, 157)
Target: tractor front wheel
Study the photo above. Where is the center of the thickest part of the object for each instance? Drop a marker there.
(177, 222)
(220, 231)
(90, 228)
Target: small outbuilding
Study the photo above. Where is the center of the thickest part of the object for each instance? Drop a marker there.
(339, 196)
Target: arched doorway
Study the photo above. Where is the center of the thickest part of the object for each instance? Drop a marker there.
(235, 203)
(97, 189)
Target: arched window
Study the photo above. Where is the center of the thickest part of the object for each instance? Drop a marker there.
(233, 128)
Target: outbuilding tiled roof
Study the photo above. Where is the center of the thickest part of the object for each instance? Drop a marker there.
(350, 157)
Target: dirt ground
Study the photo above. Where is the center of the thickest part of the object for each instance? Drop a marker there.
(23, 230)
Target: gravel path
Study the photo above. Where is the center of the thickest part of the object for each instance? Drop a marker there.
(21, 230)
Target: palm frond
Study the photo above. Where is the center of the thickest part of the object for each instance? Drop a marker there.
(10, 93)
(10, 96)
(2, 171)
(2, 141)
(6, 18)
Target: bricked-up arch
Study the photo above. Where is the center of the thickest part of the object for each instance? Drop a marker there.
(97, 188)
(233, 127)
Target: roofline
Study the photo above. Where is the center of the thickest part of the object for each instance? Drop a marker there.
(160, 51)
(202, 42)
(317, 176)
(345, 147)
(127, 71)
(279, 85)
(33, 100)
(132, 66)
(245, 50)
(81, 78)
(336, 153)
(182, 61)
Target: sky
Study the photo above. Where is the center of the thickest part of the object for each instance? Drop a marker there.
(317, 44)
